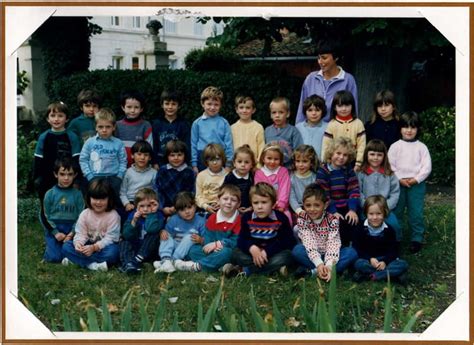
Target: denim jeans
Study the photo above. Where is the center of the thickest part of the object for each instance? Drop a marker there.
(147, 248)
(110, 254)
(413, 199)
(53, 251)
(394, 268)
(210, 262)
(347, 256)
(274, 263)
(174, 249)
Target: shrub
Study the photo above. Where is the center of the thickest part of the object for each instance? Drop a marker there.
(212, 58)
(438, 133)
(25, 157)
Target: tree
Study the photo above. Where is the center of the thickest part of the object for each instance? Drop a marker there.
(379, 52)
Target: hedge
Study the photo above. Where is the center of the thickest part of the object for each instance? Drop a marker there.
(263, 88)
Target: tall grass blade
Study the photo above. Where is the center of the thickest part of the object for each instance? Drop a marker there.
(175, 326)
(234, 324)
(243, 324)
(211, 312)
(92, 324)
(323, 315)
(66, 321)
(125, 325)
(387, 319)
(260, 325)
(144, 321)
(332, 298)
(311, 325)
(159, 314)
(278, 324)
(411, 322)
(106, 317)
(200, 315)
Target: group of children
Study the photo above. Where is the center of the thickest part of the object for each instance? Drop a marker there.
(251, 200)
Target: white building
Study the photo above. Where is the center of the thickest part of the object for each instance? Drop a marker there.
(125, 42)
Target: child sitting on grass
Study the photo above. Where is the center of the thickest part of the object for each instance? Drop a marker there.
(97, 231)
(220, 235)
(141, 232)
(182, 230)
(62, 206)
(320, 249)
(265, 240)
(376, 245)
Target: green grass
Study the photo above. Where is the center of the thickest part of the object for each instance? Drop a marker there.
(86, 295)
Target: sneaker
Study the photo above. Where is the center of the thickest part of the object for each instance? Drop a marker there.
(130, 268)
(190, 266)
(283, 271)
(415, 247)
(95, 266)
(65, 262)
(166, 267)
(302, 272)
(230, 270)
(157, 264)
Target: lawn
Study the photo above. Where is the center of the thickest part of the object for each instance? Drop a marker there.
(55, 293)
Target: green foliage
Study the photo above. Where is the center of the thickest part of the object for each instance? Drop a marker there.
(25, 158)
(212, 58)
(22, 82)
(438, 133)
(263, 88)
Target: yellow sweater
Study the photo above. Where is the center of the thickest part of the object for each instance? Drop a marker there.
(352, 129)
(207, 187)
(251, 134)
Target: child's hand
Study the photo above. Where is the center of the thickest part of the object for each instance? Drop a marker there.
(196, 238)
(411, 181)
(374, 262)
(209, 248)
(259, 256)
(60, 237)
(196, 170)
(338, 215)
(88, 250)
(219, 246)
(69, 237)
(281, 209)
(164, 235)
(381, 266)
(352, 217)
(356, 168)
(78, 247)
(244, 210)
(324, 272)
(154, 205)
(404, 182)
(212, 208)
(129, 207)
(168, 211)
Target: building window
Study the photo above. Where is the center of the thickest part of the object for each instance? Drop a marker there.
(115, 21)
(135, 63)
(198, 29)
(117, 62)
(136, 22)
(170, 26)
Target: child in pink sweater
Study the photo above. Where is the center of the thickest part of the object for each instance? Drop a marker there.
(276, 175)
(411, 162)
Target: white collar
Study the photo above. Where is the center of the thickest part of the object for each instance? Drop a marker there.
(340, 75)
(246, 177)
(216, 174)
(269, 172)
(220, 218)
(180, 168)
(271, 215)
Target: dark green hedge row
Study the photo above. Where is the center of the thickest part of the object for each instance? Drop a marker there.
(262, 87)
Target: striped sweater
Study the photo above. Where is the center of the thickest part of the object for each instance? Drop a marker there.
(341, 187)
(130, 132)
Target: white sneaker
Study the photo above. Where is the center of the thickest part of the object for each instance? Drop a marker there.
(95, 266)
(166, 267)
(189, 266)
(157, 264)
(65, 262)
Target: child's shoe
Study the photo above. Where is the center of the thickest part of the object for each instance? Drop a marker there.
(230, 270)
(157, 264)
(189, 266)
(166, 267)
(95, 266)
(130, 268)
(65, 262)
(303, 272)
(283, 271)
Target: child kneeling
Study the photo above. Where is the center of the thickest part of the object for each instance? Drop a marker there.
(320, 247)
(376, 245)
(265, 240)
(220, 235)
(141, 232)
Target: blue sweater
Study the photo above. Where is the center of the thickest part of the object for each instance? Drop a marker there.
(177, 227)
(103, 157)
(164, 131)
(211, 129)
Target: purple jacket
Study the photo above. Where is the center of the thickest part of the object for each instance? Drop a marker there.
(314, 84)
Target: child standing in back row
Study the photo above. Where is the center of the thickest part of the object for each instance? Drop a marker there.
(281, 132)
(133, 127)
(411, 162)
(209, 128)
(89, 101)
(344, 123)
(247, 131)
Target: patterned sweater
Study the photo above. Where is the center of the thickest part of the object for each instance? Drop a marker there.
(170, 181)
(341, 187)
(102, 229)
(320, 237)
(272, 233)
(130, 131)
(350, 128)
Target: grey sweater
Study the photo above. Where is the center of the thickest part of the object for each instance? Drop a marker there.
(135, 180)
(377, 183)
(298, 184)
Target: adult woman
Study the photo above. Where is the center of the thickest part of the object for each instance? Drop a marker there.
(327, 81)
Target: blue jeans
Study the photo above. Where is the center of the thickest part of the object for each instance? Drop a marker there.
(110, 254)
(174, 249)
(53, 251)
(347, 256)
(394, 269)
(210, 262)
(413, 199)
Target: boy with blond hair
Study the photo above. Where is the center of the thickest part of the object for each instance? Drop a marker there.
(210, 127)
